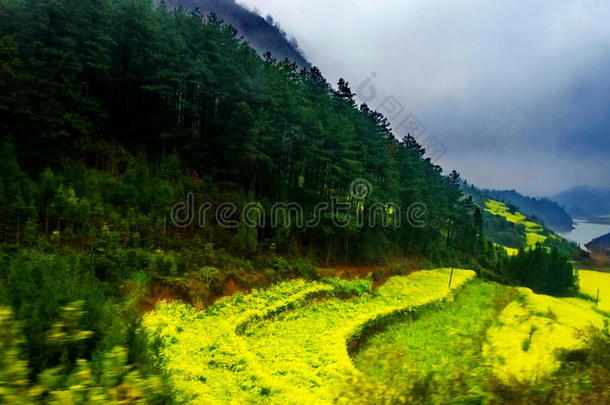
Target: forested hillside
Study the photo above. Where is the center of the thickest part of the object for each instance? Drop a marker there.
(115, 112)
(143, 93)
(601, 244)
(263, 34)
(507, 225)
(549, 212)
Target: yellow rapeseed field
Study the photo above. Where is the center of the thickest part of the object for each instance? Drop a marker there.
(533, 231)
(591, 281)
(281, 345)
(532, 329)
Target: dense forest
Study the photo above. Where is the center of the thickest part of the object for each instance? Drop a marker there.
(113, 111)
(141, 93)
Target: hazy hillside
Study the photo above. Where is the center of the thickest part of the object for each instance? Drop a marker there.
(600, 245)
(585, 202)
(546, 210)
(263, 34)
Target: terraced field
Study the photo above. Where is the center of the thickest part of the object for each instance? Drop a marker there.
(534, 232)
(340, 342)
(510, 334)
(509, 251)
(432, 353)
(286, 345)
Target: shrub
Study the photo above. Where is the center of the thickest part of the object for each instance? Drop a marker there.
(212, 277)
(164, 264)
(305, 269)
(349, 288)
(280, 265)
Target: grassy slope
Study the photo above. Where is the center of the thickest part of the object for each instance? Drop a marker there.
(297, 353)
(475, 337)
(439, 346)
(509, 251)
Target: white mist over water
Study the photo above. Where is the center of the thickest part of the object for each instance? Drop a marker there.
(585, 231)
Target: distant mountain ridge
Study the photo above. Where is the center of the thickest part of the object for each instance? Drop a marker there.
(549, 212)
(585, 202)
(263, 34)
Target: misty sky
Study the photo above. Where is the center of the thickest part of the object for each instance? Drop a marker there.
(517, 91)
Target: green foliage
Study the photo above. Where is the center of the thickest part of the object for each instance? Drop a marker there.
(261, 347)
(164, 264)
(305, 269)
(39, 286)
(280, 265)
(13, 369)
(212, 276)
(349, 288)
(429, 357)
(118, 382)
(544, 271)
(122, 85)
(112, 111)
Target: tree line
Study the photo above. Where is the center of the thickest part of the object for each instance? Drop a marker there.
(94, 81)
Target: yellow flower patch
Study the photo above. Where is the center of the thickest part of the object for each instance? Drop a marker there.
(281, 345)
(531, 330)
(591, 281)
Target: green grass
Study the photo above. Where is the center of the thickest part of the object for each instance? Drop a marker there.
(286, 345)
(429, 354)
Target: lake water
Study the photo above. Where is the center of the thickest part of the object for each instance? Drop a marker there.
(584, 232)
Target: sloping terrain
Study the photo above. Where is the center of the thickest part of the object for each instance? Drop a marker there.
(490, 336)
(531, 330)
(263, 34)
(413, 337)
(289, 344)
(535, 233)
(549, 212)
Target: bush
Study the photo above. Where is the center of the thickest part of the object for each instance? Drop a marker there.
(305, 269)
(212, 277)
(350, 288)
(38, 285)
(280, 266)
(116, 383)
(164, 264)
